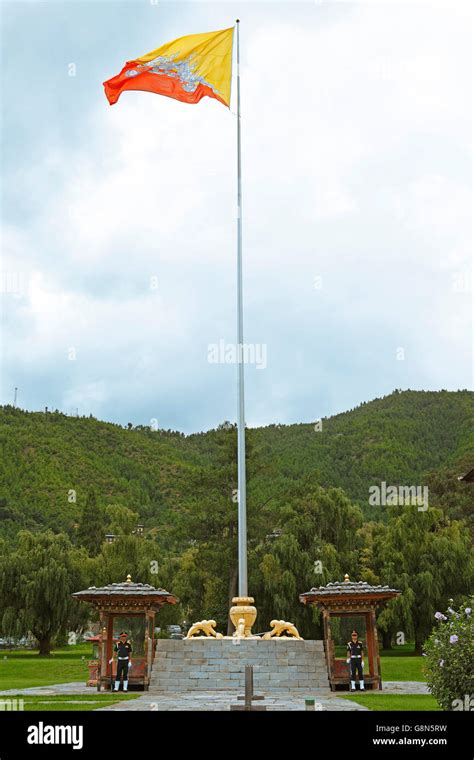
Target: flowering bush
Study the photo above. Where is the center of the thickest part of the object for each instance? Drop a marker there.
(449, 665)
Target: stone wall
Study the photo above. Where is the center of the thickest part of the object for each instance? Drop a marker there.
(209, 664)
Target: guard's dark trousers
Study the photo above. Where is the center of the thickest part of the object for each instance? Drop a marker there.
(356, 666)
(122, 669)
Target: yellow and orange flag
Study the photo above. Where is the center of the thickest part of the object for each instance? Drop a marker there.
(187, 69)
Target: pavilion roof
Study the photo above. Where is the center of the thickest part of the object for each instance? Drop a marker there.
(126, 592)
(340, 592)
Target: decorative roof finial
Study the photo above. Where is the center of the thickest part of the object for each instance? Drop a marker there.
(346, 578)
(129, 578)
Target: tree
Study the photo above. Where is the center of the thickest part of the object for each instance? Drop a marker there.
(36, 583)
(449, 664)
(127, 555)
(316, 543)
(211, 529)
(92, 525)
(373, 536)
(452, 495)
(430, 559)
(122, 520)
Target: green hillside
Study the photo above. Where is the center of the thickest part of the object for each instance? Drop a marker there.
(399, 439)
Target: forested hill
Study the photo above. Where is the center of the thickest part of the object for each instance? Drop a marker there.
(50, 461)
(398, 439)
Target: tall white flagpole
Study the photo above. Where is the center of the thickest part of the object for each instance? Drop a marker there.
(242, 493)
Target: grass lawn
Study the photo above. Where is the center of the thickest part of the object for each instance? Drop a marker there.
(377, 701)
(21, 668)
(399, 668)
(72, 702)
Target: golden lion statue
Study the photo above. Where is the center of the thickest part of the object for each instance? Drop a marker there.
(280, 627)
(206, 627)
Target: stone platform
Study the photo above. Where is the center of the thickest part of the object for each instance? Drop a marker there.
(280, 665)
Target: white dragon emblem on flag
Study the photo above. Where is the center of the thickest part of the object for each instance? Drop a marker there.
(184, 70)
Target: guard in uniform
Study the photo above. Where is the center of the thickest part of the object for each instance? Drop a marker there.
(355, 656)
(123, 650)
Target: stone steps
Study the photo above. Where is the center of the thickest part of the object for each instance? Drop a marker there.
(280, 665)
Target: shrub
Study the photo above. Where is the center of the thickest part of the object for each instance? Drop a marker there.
(449, 661)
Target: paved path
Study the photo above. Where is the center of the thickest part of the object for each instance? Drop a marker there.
(405, 687)
(191, 701)
(212, 701)
(74, 687)
(218, 701)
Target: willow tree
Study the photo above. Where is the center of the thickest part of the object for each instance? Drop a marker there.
(430, 559)
(132, 555)
(37, 579)
(315, 542)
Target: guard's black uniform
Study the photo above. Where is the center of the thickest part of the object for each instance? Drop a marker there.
(355, 651)
(123, 651)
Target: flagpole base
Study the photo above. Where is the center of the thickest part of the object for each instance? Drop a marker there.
(243, 615)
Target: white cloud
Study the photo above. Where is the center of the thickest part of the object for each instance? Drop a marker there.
(350, 124)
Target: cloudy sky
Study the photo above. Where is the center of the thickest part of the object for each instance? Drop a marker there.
(119, 223)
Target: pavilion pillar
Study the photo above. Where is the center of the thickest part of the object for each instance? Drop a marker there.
(148, 644)
(378, 670)
(328, 642)
(371, 660)
(102, 670)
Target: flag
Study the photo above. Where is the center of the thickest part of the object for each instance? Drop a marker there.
(186, 69)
